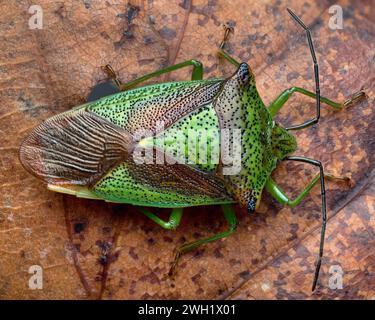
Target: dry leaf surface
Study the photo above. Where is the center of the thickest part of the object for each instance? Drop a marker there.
(272, 254)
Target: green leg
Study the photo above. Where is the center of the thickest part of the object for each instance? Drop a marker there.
(230, 217)
(172, 223)
(285, 95)
(226, 56)
(278, 194)
(197, 73)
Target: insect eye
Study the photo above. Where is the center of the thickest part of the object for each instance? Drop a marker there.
(251, 206)
(244, 73)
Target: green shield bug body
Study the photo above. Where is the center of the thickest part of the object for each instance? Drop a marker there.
(126, 147)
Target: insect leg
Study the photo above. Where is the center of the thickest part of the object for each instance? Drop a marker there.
(172, 223)
(197, 73)
(276, 106)
(115, 85)
(231, 219)
(111, 74)
(222, 52)
(279, 195)
(279, 102)
(283, 198)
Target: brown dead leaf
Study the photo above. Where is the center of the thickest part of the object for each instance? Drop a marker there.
(90, 249)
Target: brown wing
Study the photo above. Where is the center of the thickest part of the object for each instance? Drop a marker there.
(76, 147)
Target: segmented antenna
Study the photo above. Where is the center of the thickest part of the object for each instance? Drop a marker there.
(316, 75)
(310, 161)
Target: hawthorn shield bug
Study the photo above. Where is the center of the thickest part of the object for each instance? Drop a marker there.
(124, 145)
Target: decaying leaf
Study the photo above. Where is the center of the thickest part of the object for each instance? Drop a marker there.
(94, 250)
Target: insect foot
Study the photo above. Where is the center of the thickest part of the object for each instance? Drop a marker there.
(228, 29)
(172, 270)
(355, 97)
(345, 179)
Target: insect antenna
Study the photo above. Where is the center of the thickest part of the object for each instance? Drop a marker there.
(316, 75)
(324, 212)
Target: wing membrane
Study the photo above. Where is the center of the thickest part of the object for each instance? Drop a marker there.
(76, 147)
